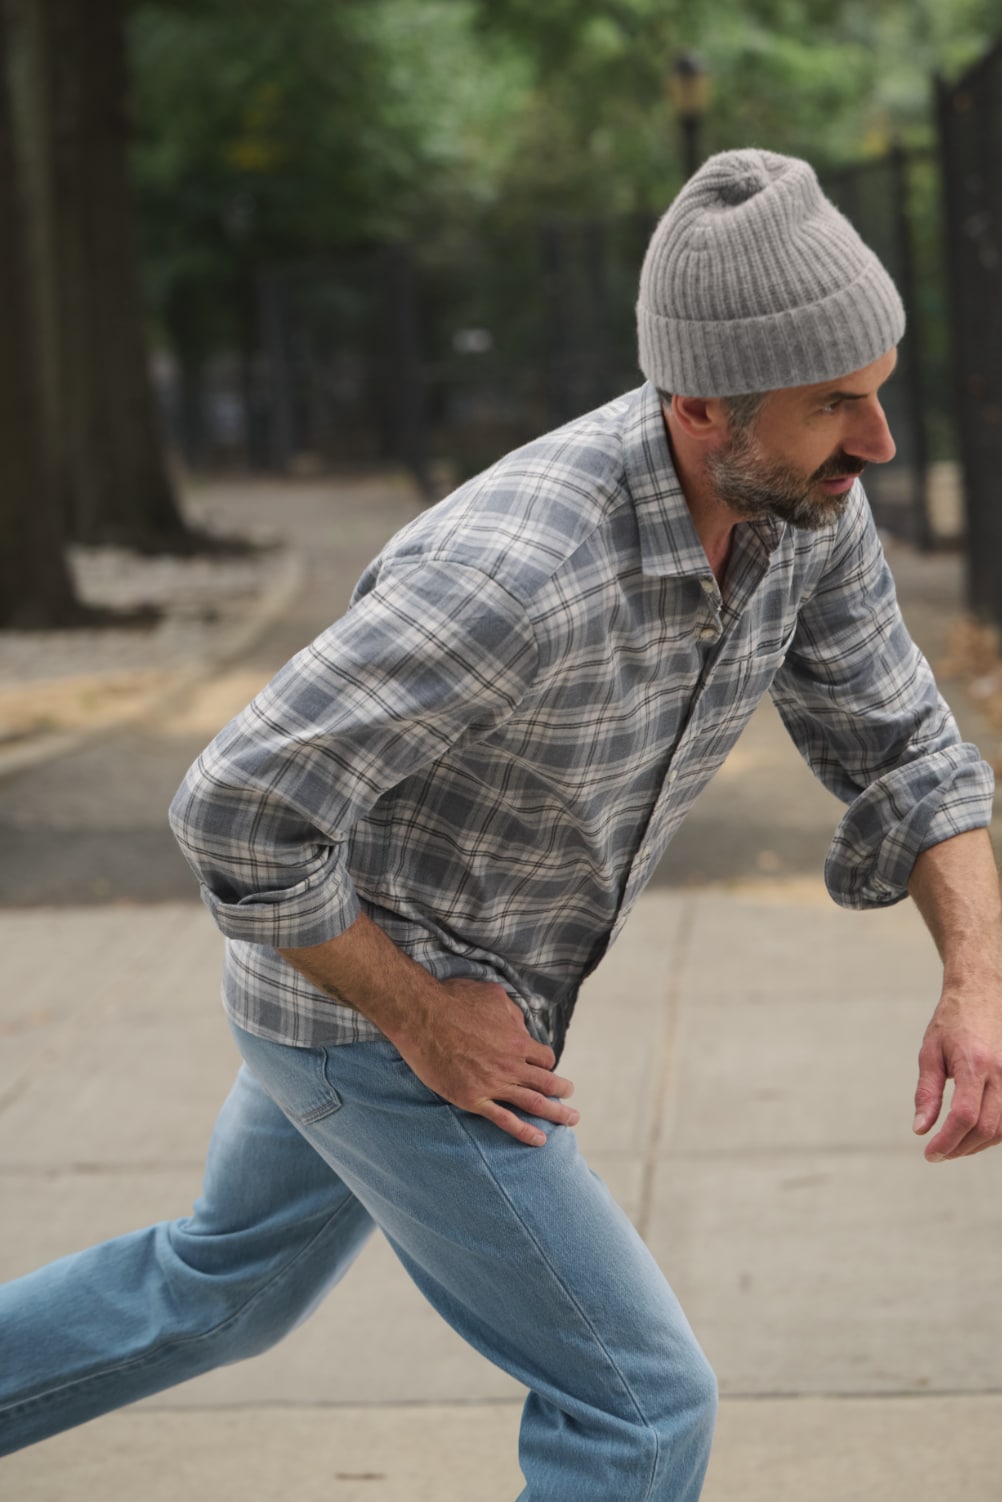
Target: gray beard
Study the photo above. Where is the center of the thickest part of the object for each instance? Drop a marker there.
(751, 487)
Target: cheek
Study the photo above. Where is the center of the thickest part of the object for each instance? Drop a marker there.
(824, 448)
(801, 447)
(803, 460)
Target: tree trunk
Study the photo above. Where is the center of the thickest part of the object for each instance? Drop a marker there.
(33, 146)
(35, 586)
(120, 488)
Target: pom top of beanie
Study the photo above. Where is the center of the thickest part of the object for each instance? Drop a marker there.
(754, 281)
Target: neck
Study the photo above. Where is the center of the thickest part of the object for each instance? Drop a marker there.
(718, 554)
(714, 522)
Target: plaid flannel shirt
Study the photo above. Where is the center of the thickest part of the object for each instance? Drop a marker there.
(491, 750)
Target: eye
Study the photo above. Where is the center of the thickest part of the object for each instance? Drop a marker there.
(831, 406)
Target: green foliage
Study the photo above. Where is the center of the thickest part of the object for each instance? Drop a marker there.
(278, 132)
(273, 132)
(827, 80)
(314, 124)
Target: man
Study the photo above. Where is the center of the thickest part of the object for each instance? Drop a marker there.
(429, 828)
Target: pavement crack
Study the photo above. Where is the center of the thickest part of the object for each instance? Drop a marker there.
(667, 1047)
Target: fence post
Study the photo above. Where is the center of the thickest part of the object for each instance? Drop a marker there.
(274, 338)
(554, 323)
(596, 262)
(962, 221)
(913, 365)
(408, 378)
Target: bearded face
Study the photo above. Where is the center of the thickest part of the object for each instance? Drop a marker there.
(750, 483)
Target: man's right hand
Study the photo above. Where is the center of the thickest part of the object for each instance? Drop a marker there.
(475, 1051)
(465, 1039)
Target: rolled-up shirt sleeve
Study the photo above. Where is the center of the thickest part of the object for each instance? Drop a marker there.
(860, 701)
(432, 653)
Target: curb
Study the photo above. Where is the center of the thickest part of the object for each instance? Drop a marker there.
(232, 643)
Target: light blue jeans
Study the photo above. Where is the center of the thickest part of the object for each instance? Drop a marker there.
(521, 1249)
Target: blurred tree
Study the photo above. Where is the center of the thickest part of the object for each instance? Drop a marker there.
(280, 133)
(105, 453)
(827, 81)
(35, 586)
(283, 133)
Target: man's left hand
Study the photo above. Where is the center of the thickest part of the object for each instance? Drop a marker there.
(963, 1042)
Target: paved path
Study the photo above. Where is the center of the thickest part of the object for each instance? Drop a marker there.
(90, 826)
(846, 1292)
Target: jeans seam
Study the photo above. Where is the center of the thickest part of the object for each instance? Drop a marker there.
(457, 1116)
(179, 1342)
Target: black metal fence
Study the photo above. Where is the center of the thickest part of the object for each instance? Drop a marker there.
(458, 350)
(455, 351)
(970, 118)
(879, 198)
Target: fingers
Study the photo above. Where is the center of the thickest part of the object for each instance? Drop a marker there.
(507, 1121)
(538, 1053)
(962, 1119)
(533, 1104)
(542, 1106)
(974, 1122)
(548, 1083)
(929, 1093)
(991, 1116)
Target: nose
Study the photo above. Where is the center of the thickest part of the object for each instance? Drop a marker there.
(871, 438)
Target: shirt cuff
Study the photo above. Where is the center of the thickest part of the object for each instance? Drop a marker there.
(909, 809)
(310, 912)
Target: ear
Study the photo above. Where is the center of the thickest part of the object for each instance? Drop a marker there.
(701, 418)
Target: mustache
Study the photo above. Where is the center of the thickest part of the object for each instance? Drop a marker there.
(839, 467)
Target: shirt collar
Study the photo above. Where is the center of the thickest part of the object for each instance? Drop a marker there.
(669, 543)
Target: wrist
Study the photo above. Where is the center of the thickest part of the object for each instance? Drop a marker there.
(403, 1012)
(973, 963)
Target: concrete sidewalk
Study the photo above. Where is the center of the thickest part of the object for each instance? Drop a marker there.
(846, 1292)
(745, 1067)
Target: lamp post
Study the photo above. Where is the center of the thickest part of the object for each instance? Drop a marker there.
(689, 89)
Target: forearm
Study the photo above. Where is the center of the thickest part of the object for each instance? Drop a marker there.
(363, 969)
(955, 886)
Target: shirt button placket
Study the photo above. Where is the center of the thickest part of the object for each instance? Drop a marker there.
(711, 628)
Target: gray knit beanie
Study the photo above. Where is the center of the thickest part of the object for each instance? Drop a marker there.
(754, 281)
